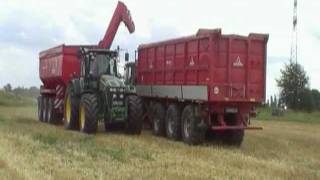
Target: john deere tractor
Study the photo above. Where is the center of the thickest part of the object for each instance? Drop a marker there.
(100, 94)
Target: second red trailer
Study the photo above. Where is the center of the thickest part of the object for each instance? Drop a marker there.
(222, 76)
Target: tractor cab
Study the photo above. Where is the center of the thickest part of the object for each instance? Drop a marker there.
(99, 68)
(97, 62)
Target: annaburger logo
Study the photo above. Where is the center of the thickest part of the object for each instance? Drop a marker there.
(238, 62)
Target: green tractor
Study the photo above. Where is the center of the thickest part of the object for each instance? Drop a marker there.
(100, 94)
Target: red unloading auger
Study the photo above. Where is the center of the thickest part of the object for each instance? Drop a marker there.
(121, 14)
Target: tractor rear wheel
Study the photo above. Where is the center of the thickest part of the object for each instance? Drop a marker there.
(191, 134)
(40, 108)
(158, 119)
(89, 113)
(135, 115)
(173, 122)
(71, 110)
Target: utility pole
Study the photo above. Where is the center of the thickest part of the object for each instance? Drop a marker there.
(294, 49)
(294, 43)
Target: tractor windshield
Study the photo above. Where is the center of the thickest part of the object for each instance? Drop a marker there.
(104, 64)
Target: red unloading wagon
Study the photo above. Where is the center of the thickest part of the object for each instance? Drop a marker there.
(207, 84)
(57, 67)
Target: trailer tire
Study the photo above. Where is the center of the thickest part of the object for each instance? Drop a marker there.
(191, 134)
(158, 119)
(71, 110)
(233, 137)
(45, 109)
(40, 108)
(173, 122)
(88, 113)
(134, 121)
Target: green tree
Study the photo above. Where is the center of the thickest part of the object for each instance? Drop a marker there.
(7, 87)
(294, 86)
(316, 98)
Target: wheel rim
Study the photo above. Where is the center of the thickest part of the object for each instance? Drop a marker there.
(187, 127)
(68, 110)
(156, 124)
(82, 117)
(170, 125)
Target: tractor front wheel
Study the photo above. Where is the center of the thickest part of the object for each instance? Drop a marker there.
(88, 113)
(135, 115)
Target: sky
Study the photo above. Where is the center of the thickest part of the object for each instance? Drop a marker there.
(30, 26)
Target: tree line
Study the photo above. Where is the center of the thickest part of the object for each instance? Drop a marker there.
(22, 91)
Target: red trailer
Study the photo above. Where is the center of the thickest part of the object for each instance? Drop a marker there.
(59, 65)
(207, 83)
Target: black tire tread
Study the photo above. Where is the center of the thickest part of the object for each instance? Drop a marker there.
(90, 103)
(175, 111)
(74, 120)
(135, 115)
(197, 136)
(158, 111)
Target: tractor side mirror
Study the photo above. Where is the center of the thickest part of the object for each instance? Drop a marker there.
(126, 56)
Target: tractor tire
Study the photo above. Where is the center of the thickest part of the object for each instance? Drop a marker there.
(134, 121)
(158, 119)
(191, 133)
(88, 113)
(173, 122)
(40, 108)
(71, 110)
(45, 109)
(233, 137)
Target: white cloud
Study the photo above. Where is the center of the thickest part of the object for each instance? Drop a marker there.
(38, 25)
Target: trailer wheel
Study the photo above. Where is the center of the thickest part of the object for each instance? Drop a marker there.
(45, 109)
(135, 115)
(173, 122)
(71, 110)
(232, 137)
(49, 110)
(158, 119)
(191, 134)
(40, 108)
(89, 113)
(52, 114)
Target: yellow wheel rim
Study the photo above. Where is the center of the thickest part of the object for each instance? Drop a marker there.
(82, 117)
(68, 110)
